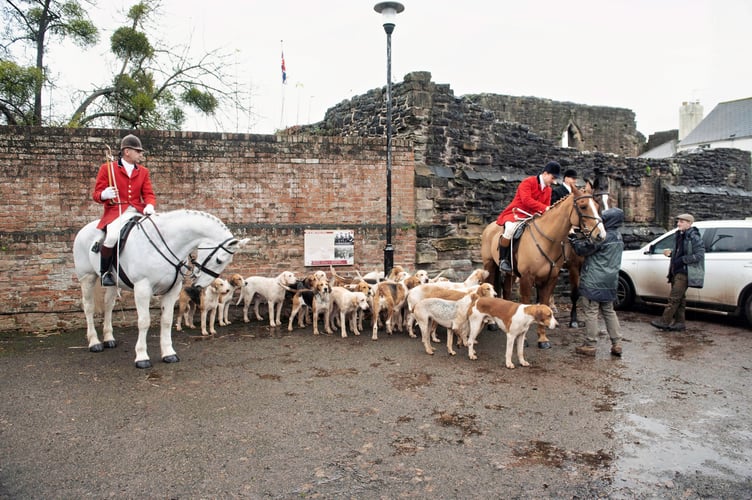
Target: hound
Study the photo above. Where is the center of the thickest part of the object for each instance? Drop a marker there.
(271, 289)
(208, 300)
(236, 282)
(476, 278)
(368, 289)
(318, 299)
(433, 290)
(451, 314)
(389, 296)
(347, 303)
(512, 318)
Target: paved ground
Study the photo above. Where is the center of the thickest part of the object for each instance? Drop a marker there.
(257, 412)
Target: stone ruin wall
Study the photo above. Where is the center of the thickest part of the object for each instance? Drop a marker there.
(472, 151)
(589, 128)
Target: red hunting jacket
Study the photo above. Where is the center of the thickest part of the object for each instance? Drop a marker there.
(529, 197)
(135, 190)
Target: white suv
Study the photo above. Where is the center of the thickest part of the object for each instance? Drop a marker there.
(728, 270)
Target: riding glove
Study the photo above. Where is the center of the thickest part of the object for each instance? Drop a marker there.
(108, 194)
(149, 209)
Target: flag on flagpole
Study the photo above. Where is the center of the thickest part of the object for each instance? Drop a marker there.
(284, 70)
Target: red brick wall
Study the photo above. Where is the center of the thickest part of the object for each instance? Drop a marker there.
(267, 188)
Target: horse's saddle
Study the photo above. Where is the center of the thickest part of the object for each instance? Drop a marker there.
(517, 233)
(124, 232)
(515, 239)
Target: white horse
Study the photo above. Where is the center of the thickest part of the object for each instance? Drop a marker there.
(153, 262)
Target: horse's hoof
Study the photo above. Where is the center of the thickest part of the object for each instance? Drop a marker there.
(96, 348)
(544, 345)
(171, 359)
(492, 327)
(574, 324)
(144, 363)
(110, 344)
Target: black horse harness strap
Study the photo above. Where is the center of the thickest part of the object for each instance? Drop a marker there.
(202, 265)
(178, 266)
(125, 231)
(581, 215)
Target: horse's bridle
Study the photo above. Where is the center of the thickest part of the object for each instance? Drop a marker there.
(179, 264)
(201, 266)
(581, 216)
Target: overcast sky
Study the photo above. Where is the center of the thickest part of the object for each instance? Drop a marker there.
(645, 55)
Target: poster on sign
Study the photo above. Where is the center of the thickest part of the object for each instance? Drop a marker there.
(329, 247)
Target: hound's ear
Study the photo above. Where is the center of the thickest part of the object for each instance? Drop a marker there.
(540, 313)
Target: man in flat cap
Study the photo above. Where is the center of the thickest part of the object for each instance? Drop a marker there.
(564, 188)
(687, 269)
(124, 188)
(533, 197)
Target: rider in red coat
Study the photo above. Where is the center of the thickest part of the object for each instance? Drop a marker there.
(125, 190)
(533, 197)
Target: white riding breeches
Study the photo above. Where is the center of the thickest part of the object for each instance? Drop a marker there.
(509, 228)
(113, 228)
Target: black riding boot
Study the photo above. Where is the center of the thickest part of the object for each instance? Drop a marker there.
(504, 250)
(104, 266)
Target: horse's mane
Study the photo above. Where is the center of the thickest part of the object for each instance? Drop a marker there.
(189, 211)
(560, 200)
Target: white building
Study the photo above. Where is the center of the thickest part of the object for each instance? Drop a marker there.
(729, 125)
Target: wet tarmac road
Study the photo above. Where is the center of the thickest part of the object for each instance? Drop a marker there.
(257, 412)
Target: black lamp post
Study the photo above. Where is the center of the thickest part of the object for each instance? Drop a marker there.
(389, 10)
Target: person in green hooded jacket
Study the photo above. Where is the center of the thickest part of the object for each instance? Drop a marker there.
(687, 269)
(599, 279)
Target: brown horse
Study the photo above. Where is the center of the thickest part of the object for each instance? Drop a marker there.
(572, 261)
(538, 255)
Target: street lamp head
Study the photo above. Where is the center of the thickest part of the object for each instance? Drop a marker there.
(389, 10)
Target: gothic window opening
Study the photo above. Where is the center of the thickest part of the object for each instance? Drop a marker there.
(572, 136)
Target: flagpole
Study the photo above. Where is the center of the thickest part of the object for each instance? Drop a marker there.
(284, 82)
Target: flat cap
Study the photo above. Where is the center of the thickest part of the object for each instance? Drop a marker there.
(687, 217)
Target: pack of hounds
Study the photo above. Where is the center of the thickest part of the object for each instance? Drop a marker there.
(396, 302)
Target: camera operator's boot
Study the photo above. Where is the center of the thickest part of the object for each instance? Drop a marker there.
(105, 256)
(504, 251)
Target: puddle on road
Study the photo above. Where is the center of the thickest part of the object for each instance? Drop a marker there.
(654, 451)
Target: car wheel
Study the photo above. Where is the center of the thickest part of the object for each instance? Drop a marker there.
(625, 293)
(748, 308)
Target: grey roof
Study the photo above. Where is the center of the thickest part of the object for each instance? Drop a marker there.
(665, 150)
(728, 120)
